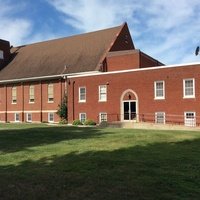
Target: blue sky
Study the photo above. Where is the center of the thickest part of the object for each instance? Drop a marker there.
(167, 30)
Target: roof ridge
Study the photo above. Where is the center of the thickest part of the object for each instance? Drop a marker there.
(71, 36)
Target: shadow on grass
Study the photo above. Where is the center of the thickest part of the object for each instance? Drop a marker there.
(12, 140)
(157, 171)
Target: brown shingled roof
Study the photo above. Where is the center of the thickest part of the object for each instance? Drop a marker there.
(80, 53)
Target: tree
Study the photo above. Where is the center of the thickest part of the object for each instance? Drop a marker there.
(62, 109)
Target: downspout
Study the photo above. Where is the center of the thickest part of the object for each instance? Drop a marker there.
(22, 102)
(40, 101)
(73, 100)
(6, 108)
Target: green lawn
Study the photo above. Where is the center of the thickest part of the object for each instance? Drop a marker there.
(49, 162)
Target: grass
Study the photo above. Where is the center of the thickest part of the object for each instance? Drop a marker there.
(50, 162)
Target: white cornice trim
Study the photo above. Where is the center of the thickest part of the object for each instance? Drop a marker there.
(135, 70)
(46, 77)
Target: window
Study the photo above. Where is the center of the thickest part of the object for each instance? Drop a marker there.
(82, 117)
(82, 94)
(102, 93)
(50, 92)
(14, 94)
(102, 117)
(28, 117)
(50, 117)
(1, 54)
(188, 88)
(16, 115)
(31, 94)
(159, 90)
(160, 117)
(190, 118)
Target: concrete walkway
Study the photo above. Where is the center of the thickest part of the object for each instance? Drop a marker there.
(145, 125)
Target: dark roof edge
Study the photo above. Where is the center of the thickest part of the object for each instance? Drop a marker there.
(50, 77)
(110, 46)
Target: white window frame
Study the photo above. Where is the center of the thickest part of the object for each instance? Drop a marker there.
(15, 117)
(1, 55)
(156, 117)
(80, 117)
(190, 121)
(82, 100)
(102, 94)
(14, 100)
(31, 96)
(184, 88)
(27, 117)
(50, 96)
(100, 117)
(155, 90)
(49, 117)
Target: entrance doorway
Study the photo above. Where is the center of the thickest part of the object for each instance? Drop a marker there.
(129, 108)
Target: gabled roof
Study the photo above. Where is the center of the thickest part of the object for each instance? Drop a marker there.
(80, 53)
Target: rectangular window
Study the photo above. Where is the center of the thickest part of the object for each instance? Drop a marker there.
(50, 117)
(50, 92)
(159, 90)
(14, 94)
(190, 119)
(1, 54)
(31, 94)
(16, 115)
(188, 88)
(82, 117)
(160, 117)
(28, 117)
(103, 117)
(102, 93)
(82, 94)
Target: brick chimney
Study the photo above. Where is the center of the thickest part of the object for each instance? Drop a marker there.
(4, 53)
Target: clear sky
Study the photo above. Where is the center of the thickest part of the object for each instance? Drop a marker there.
(168, 30)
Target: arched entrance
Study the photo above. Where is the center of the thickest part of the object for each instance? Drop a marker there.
(129, 106)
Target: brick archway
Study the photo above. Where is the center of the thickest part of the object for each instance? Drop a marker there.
(129, 106)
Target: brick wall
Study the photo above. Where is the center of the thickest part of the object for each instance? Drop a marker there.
(39, 109)
(142, 83)
(5, 47)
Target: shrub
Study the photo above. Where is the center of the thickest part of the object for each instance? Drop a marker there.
(62, 109)
(77, 122)
(89, 122)
(103, 124)
(63, 121)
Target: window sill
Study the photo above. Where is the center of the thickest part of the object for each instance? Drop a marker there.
(82, 101)
(14, 103)
(189, 97)
(102, 100)
(159, 98)
(50, 102)
(31, 102)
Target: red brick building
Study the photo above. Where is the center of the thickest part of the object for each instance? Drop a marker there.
(104, 77)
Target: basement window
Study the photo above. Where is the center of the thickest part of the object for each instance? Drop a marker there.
(16, 115)
(103, 117)
(190, 119)
(82, 117)
(1, 54)
(160, 117)
(50, 117)
(28, 117)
